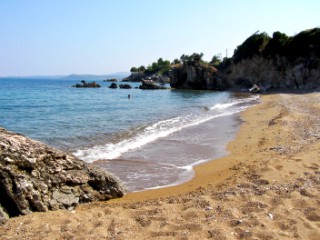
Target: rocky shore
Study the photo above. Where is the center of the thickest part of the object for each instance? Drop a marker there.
(35, 177)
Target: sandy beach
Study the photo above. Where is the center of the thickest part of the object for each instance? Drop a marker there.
(268, 187)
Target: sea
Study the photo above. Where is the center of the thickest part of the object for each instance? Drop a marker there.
(152, 139)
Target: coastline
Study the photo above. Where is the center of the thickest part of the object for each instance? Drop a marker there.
(212, 172)
(268, 187)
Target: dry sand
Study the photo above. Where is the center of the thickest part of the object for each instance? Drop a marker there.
(267, 188)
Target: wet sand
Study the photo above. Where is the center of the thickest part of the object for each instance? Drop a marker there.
(268, 187)
(168, 161)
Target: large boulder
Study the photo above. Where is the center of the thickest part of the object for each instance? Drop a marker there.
(36, 177)
(113, 85)
(125, 86)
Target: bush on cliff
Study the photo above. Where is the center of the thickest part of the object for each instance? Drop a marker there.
(254, 45)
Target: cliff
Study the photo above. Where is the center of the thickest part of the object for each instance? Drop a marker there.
(276, 73)
(195, 75)
(35, 177)
(275, 62)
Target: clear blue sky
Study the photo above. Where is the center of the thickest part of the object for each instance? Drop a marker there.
(44, 37)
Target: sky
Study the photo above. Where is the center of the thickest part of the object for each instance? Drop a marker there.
(61, 37)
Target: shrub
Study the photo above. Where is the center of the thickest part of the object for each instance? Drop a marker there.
(253, 45)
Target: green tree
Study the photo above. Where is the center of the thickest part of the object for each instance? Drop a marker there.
(176, 61)
(254, 45)
(134, 70)
(142, 68)
(216, 60)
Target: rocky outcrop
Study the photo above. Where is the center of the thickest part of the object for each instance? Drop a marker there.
(150, 84)
(196, 76)
(35, 177)
(85, 84)
(139, 77)
(275, 73)
(134, 77)
(113, 85)
(125, 86)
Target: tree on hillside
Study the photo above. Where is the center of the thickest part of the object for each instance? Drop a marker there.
(176, 61)
(254, 45)
(141, 68)
(216, 60)
(134, 70)
(195, 57)
(276, 45)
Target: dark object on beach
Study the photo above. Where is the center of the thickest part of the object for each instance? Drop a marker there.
(255, 89)
(149, 84)
(113, 85)
(35, 177)
(129, 96)
(125, 86)
(85, 84)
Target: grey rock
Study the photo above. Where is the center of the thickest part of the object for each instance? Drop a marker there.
(150, 84)
(196, 76)
(278, 73)
(36, 177)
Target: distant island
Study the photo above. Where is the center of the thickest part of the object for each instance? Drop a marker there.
(277, 62)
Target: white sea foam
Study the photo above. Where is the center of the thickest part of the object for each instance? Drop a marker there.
(231, 103)
(158, 130)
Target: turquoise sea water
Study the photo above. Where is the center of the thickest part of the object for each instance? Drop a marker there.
(140, 139)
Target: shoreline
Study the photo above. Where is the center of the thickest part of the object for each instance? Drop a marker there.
(213, 172)
(268, 187)
(213, 137)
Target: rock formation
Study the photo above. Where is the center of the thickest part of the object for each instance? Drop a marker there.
(35, 177)
(276, 73)
(150, 84)
(113, 85)
(275, 62)
(193, 75)
(85, 84)
(139, 77)
(125, 86)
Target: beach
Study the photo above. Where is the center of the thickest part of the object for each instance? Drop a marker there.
(266, 188)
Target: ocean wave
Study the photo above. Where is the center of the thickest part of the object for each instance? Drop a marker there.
(159, 130)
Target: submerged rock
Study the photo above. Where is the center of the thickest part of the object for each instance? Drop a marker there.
(36, 177)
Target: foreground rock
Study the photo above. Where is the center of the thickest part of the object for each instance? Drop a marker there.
(35, 177)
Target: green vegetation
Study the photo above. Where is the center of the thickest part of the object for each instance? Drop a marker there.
(253, 45)
(159, 67)
(162, 67)
(304, 44)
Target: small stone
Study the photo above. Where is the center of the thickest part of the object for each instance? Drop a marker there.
(270, 216)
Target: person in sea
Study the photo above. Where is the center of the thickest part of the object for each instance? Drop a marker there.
(129, 96)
